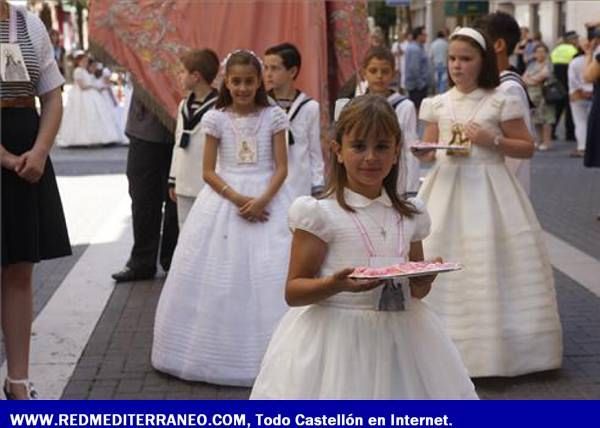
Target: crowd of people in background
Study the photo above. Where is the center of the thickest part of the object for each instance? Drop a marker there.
(421, 64)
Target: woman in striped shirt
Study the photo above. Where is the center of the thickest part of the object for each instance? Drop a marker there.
(33, 223)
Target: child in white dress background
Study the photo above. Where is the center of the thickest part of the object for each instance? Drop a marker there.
(86, 120)
(501, 310)
(224, 294)
(334, 343)
(378, 71)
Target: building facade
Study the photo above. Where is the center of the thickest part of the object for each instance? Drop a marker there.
(551, 18)
(436, 15)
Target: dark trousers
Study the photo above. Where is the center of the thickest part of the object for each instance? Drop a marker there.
(417, 95)
(592, 146)
(148, 167)
(561, 73)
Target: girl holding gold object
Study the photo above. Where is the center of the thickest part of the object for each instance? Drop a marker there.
(501, 309)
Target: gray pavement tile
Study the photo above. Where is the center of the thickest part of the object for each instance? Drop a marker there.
(149, 395)
(568, 214)
(130, 385)
(135, 367)
(204, 393)
(69, 396)
(232, 393)
(106, 383)
(156, 389)
(85, 373)
(155, 378)
(129, 396)
(103, 393)
(78, 388)
(96, 161)
(593, 390)
(178, 396)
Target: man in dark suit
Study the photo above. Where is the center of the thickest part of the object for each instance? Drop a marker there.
(148, 163)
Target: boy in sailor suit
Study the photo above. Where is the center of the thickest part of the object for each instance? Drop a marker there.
(305, 157)
(200, 67)
(378, 71)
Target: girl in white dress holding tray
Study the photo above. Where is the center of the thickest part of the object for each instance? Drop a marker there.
(224, 296)
(501, 309)
(346, 338)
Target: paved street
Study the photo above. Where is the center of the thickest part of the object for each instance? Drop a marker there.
(92, 339)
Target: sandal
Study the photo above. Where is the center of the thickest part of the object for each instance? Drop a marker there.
(31, 392)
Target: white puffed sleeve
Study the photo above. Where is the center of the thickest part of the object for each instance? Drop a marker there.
(510, 108)
(279, 120)
(212, 122)
(422, 220)
(427, 112)
(306, 214)
(50, 77)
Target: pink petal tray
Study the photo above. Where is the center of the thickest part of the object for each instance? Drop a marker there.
(404, 270)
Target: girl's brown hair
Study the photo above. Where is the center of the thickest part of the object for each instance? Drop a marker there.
(243, 57)
(367, 116)
(488, 78)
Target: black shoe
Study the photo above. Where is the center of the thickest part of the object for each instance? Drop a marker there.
(128, 274)
(166, 265)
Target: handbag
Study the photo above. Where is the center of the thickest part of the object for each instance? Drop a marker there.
(553, 91)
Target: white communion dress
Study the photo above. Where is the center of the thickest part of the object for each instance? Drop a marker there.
(87, 119)
(224, 293)
(501, 310)
(341, 347)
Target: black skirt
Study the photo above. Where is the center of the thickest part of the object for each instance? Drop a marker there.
(33, 222)
(592, 147)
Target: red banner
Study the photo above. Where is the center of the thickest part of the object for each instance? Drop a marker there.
(147, 37)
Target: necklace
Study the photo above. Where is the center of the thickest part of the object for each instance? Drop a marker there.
(380, 226)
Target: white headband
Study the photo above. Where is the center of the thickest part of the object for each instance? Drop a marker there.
(470, 33)
(226, 60)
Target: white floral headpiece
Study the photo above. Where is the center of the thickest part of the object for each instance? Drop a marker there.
(228, 57)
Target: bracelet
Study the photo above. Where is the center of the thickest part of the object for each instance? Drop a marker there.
(223, 189)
